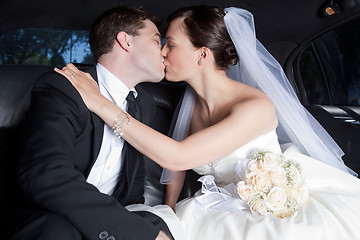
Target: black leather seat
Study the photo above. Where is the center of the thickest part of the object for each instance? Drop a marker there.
(16, 82)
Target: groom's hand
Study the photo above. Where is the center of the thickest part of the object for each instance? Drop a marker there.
(162, 236)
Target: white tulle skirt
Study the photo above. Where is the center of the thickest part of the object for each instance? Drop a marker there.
(331, 212)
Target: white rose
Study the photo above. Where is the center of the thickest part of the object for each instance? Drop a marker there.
(298, 194)
(261, 180)
(249, 176)
(245, 191)
(270, 161)
(259, 207)
(276, 199)
(278, 177)
(253, 166)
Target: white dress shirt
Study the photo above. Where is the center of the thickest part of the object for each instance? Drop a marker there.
(105, 172)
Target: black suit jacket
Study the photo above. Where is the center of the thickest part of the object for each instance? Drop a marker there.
(61, 142)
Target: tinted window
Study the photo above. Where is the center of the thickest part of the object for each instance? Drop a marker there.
(313, 79)
(45, 46)
(330, 67)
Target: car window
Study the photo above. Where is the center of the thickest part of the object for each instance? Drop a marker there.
(55, 47)
(330, 67)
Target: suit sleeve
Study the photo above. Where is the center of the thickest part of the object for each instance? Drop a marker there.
(47, 172)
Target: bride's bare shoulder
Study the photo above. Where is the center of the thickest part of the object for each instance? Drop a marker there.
(255, 105)
(248, 95)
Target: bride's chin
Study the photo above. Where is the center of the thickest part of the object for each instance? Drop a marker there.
(168, 77)
(171, 78)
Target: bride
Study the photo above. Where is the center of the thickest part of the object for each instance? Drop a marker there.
(222, 122)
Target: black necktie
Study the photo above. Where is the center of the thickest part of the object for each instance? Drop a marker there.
(128, 152)
(133, 106)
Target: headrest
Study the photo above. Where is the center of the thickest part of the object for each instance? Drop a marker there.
(16, 82)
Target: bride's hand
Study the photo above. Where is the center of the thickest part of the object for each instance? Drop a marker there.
(84, 84)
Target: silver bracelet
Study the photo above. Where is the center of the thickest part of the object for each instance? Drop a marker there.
(119, 122)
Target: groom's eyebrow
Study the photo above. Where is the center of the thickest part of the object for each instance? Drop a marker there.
(158, 35)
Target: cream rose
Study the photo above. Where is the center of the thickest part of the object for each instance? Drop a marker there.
(253, 166)
(245, 191)
(278, 177)
(261, 180)
(300, 195)
(273, 185)
(271, 161)
(259, 207)
(276, 199)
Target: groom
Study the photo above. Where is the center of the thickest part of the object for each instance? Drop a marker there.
(75, 175)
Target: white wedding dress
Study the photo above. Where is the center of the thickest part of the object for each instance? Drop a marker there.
(332, 210)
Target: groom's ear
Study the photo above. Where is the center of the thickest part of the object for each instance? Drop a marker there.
(124, 40)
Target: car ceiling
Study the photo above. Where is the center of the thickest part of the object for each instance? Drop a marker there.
(280, 24)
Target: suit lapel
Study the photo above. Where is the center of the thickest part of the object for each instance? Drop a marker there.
(98, 135)
(98, 124)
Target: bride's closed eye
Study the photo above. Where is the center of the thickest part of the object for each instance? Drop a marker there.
(169, 45)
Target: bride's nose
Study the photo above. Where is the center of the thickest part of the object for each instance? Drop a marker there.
(164, 51)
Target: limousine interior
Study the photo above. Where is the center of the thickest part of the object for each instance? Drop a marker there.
(316, 41)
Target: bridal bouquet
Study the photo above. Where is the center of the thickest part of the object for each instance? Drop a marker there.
(273, 185)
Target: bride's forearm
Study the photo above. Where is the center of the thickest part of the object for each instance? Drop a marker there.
(158, 147)
(151, 143)
(196, 150)
(106, 110)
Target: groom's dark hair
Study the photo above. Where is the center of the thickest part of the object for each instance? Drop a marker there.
(120, 19)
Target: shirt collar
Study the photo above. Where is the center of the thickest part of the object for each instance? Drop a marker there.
(116, 89)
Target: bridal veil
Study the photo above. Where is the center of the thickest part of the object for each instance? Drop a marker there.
(258, 68)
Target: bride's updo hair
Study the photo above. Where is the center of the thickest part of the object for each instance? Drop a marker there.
(205, 27)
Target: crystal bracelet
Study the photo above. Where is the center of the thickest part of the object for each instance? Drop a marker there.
(119, 122)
